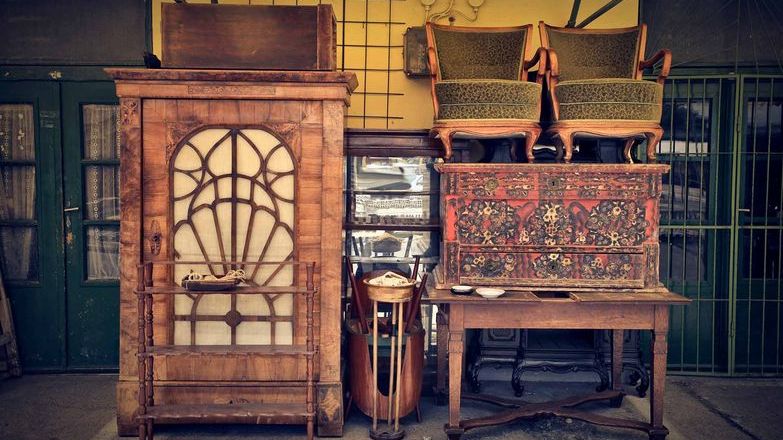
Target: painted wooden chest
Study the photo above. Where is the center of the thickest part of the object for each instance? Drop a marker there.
(550, 226)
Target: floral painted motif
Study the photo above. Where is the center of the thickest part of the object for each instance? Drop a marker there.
(550, 224)
(549, 266)
(491, 222)
(605, 267)
(488, 184)
(489, 266)
(626, 187)
(616, 223)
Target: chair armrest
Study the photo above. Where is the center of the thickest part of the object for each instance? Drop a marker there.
(663, 54)
(539, 57)
(433, 59)
(433, 62)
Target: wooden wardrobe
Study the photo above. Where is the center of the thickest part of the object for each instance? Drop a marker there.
(208, 138)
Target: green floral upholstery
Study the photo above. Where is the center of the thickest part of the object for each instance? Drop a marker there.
(610, 98)
(488, 99)
(586, 55)
(479, 55)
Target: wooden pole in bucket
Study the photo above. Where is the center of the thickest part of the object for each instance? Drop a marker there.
(375, 365)
(391, 366)
(401, 331)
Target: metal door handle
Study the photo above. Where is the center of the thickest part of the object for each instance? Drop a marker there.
(743, 210)
(71, 209)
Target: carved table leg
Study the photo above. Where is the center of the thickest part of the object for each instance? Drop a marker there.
(516, 380)
(658, 373)
(473, 375)
(443, 344)
(617, 366)
(516, 376)
(599, 365)
(456, 348)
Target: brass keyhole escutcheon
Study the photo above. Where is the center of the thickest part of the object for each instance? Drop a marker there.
(155, 238)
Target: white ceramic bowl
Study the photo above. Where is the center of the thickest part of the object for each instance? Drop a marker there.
(490, 292)
(461, 289)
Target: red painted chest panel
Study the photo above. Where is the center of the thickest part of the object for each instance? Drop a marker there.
(550, 225)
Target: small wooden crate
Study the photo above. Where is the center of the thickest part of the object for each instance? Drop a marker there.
(207, 36)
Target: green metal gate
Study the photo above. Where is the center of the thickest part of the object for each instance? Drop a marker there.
(721, 222)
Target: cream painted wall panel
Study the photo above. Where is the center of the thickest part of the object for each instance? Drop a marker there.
(386, 97)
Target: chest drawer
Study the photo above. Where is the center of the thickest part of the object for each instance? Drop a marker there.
(551, 269)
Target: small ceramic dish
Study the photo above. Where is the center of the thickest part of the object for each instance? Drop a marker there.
(461, 290)
(490, 292)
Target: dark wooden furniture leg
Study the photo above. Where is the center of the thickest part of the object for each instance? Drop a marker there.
(658, 373)
(653, 138)
(617, 367)
(456, 346)
(441, 390)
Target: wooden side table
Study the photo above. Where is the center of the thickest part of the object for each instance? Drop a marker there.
(610, 309)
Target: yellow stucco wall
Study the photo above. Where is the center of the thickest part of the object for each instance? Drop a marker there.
(386, 97)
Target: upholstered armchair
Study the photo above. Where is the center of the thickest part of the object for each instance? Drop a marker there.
(595, 83)
(479, 83)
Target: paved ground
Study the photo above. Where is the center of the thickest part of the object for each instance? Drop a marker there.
(81, 407)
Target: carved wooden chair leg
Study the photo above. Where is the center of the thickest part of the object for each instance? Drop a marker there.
(653, 138)
(446, 136)
(559, 148)
(629, 144)
(530, 142)
(567, 138)
(512, 149)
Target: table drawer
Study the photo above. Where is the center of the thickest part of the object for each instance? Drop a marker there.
(552, 269)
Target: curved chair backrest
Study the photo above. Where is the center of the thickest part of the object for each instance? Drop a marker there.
(596, 53)
(479, 52)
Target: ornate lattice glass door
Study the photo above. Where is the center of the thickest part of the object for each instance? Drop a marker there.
(233, 200)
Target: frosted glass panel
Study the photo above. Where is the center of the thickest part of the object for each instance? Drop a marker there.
(233, 196)
(19, 232)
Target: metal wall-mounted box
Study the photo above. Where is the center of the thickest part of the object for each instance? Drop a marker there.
(415, 52)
